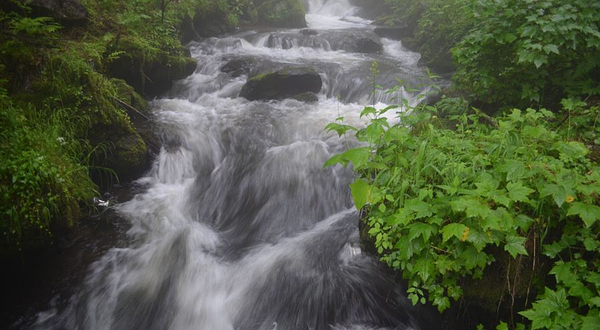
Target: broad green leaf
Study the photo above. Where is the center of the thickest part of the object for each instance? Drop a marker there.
(357, 156)
(476, 208)
(591, 322)
(514, 245)
(509, 37)
(402, 217)
(502, 326)
(500, 197)
(421, 229)
(558, 193)
(553, 302)
(551, 49)
(459, 205)
(337, 159)
(424, 268)
(572, 149)
(341, 129)
(518, 192)
(361, 193)
(523, 222)
(368, 111)
(473, 258)
(595, 301)
(514, 169)
(421, 208)
(552, 250)
(453, 230)
(588, 213)
(539, 318)
(478, 238)
(564, 273)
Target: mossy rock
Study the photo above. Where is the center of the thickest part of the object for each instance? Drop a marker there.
(134, 104)
(282, 13)
(150, 76)
(121, 149)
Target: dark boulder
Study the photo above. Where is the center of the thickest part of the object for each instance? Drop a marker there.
(393, 32)
(368, 45)
(282, 84)
(161, 74)
(238, 67)
(306, 97)
(67, 12)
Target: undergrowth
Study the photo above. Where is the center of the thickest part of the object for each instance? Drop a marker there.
(450, 193)
(43, 173)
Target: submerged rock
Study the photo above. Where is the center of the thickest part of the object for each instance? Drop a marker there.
(282, 84)
(368, 45)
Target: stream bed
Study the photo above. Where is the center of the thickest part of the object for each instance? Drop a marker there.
(238, 225)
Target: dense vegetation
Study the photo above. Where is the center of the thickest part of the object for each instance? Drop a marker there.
(502, 210)
(65, 118)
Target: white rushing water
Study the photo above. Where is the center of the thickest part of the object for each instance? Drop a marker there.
(239, 225)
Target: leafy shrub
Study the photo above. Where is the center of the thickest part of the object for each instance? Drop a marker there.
(443, 24)
(528, 52)
(445, 204)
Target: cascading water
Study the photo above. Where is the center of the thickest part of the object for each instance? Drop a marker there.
(240, 226)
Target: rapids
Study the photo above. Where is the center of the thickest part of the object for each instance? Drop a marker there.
(238, 225)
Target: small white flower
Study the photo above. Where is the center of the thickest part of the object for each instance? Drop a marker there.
(61, 140)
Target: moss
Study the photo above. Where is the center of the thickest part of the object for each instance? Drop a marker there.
(260, 76)
(127, 94)
(130, 154)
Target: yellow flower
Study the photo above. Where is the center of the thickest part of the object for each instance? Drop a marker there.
(570, 199)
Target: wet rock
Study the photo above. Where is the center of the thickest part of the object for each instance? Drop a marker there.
(282, 84)
(393, 32)
(306, 97)
(280, 42)
(67, 12)
(308, 32)
(238, 67)
(368, 45)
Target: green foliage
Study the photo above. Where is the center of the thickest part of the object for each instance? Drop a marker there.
(441, 26)
(444, 204)
(528, 52)
(404, 12)
(285, 13)
(42, 175)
